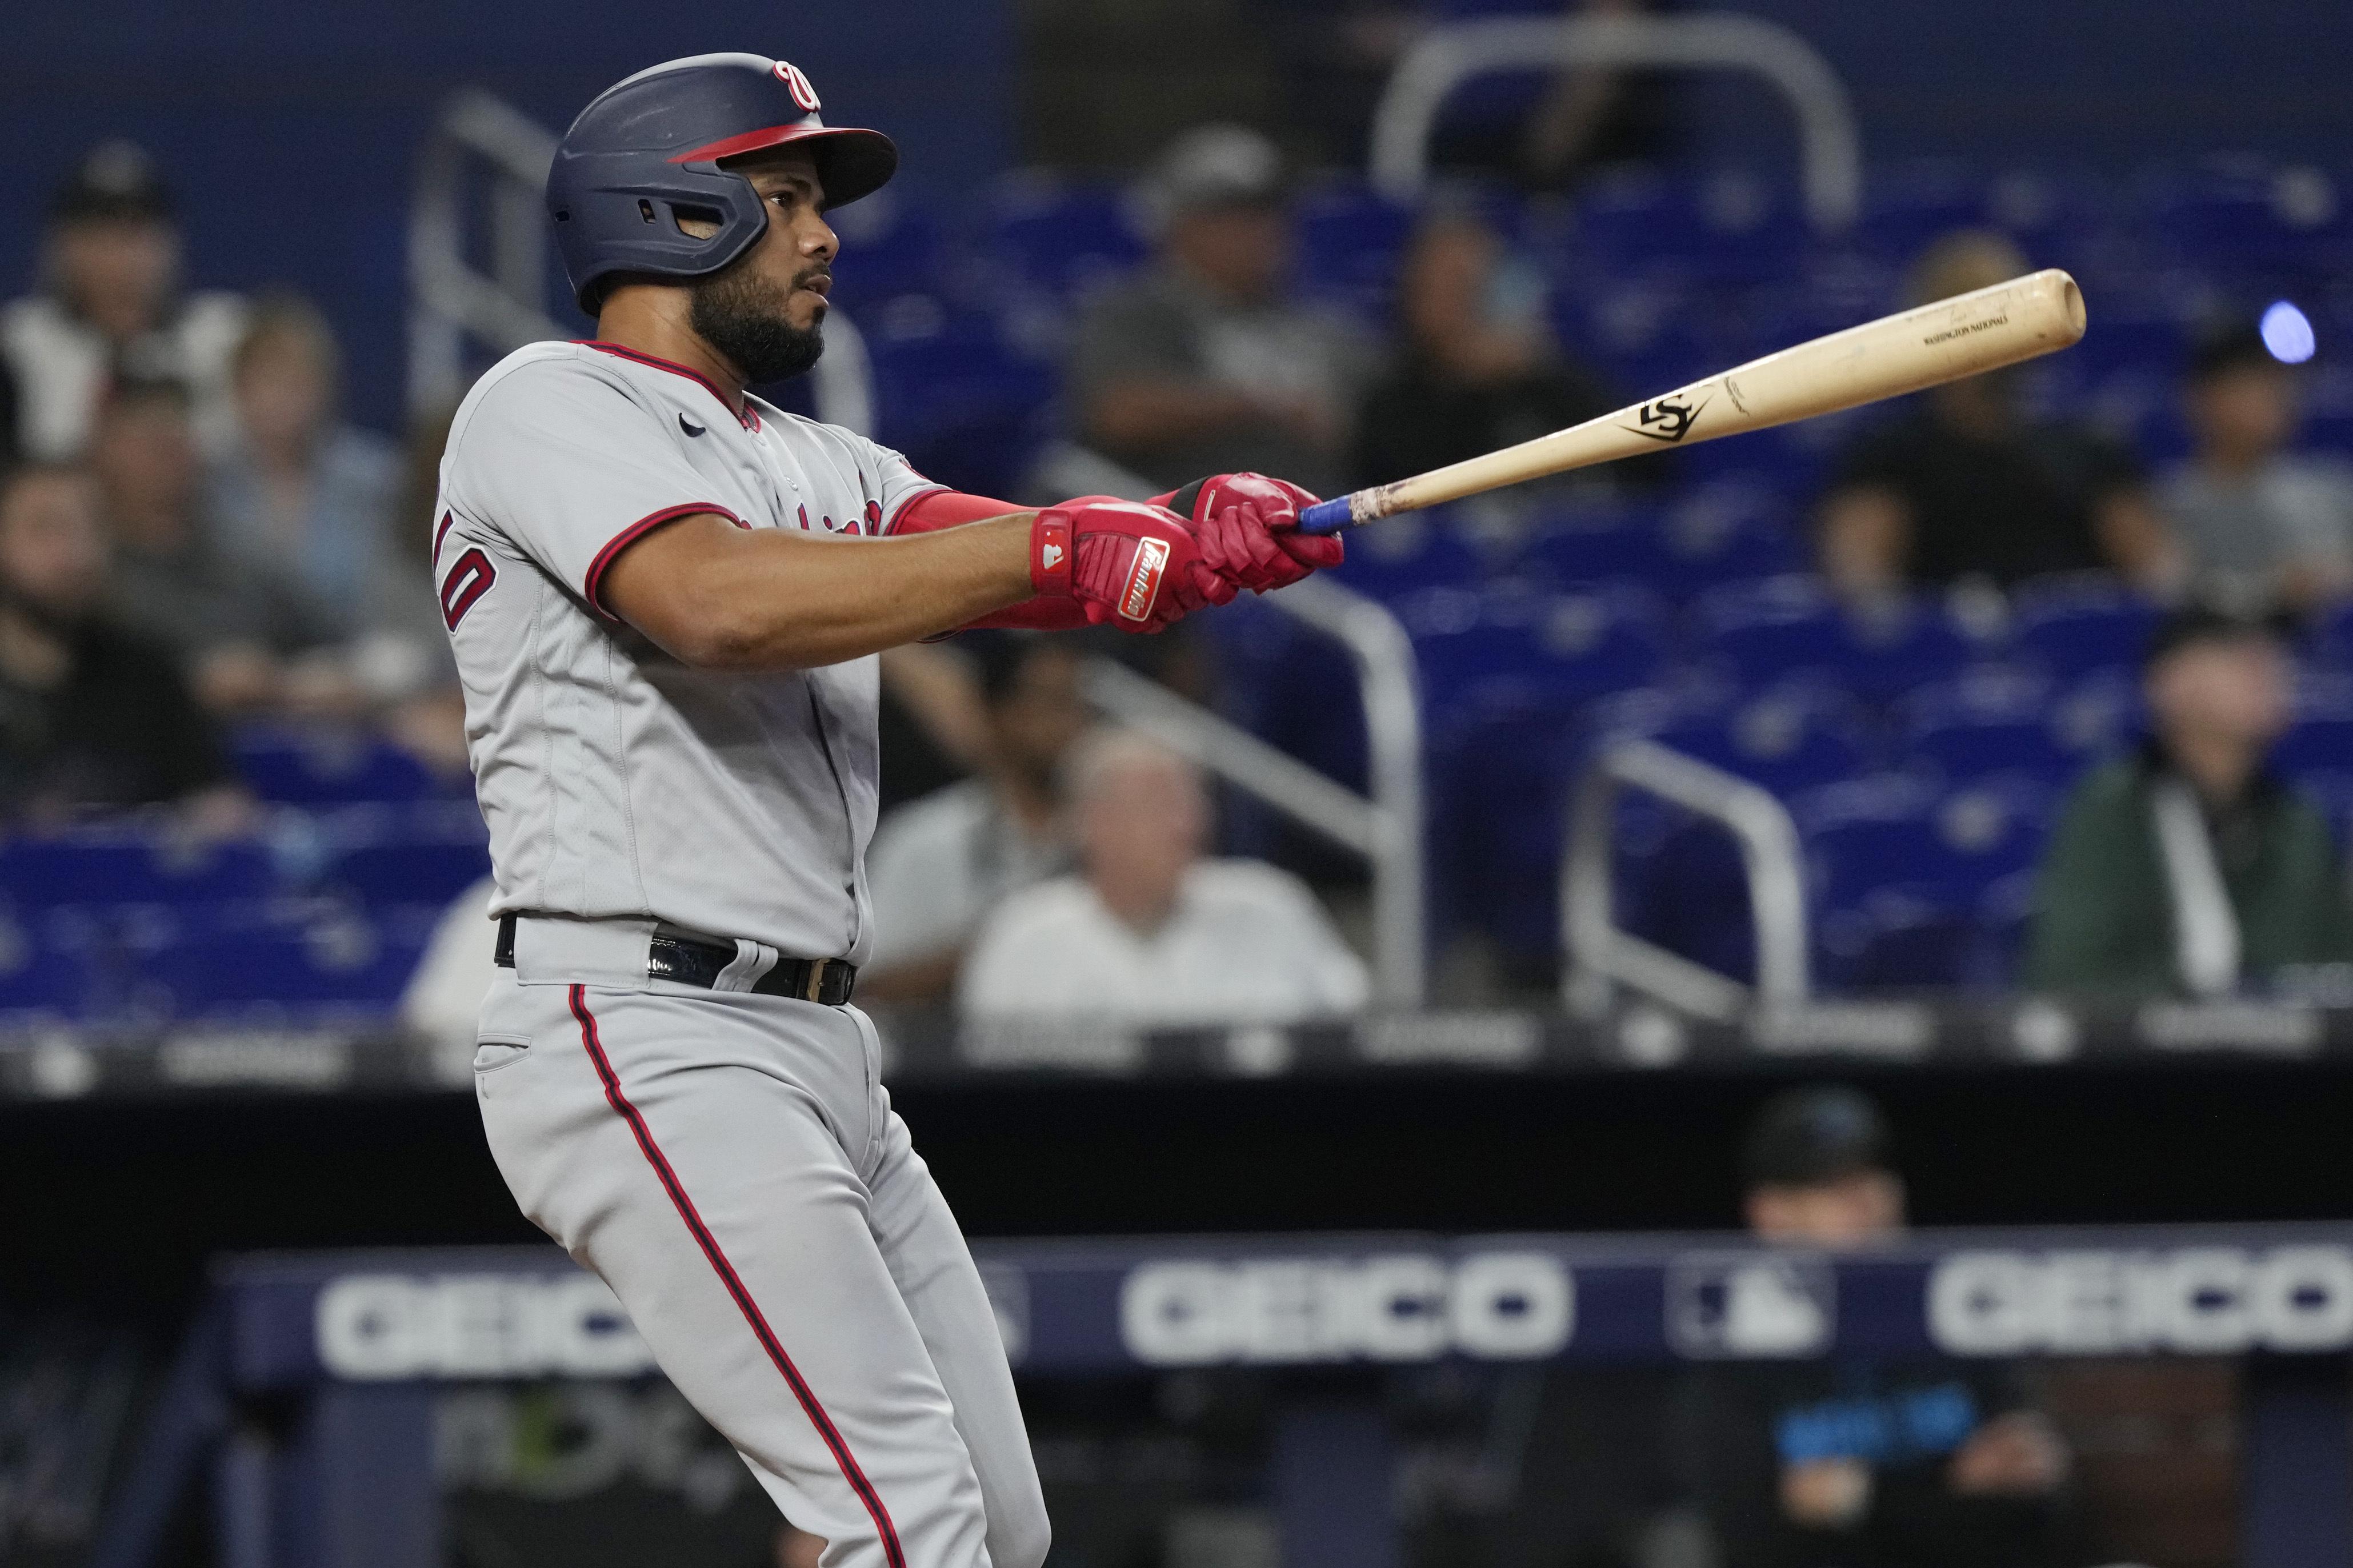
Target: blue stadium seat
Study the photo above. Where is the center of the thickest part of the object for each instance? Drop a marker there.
(317, 768)
(1903, 831)
(1350, 245)
(952, 395)
(2075, 626)
(419, 855)
(297, 961)
(1768, 631)
(126, 863)
(49, 970)
(1549, 649)
(1061, 239)
(1790, 738)
(890, 245)
(1996, 718)
(2322, 739)
(1406, 554)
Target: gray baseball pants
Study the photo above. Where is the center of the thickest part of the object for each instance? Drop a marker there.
(730, 1164)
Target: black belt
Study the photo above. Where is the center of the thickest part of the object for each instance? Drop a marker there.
(825, 980)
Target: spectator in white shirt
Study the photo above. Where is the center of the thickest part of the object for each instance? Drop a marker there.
(111, 309)
(1151, 934)
(938, 864)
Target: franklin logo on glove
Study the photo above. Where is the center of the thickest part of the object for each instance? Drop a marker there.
(1144, 579)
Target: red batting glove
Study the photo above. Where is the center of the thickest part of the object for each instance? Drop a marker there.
(1128, 563)
(1248, 526)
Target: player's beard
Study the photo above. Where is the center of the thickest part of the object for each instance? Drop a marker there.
(741, 314)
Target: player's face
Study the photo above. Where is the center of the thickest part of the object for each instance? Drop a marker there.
(796, 255)
(762, 310)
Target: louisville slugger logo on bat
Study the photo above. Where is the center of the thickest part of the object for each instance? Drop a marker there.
(1673, 419)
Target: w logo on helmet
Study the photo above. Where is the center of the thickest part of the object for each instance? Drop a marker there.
(798, 85)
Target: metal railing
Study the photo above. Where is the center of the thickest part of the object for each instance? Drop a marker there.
(1385, 827)
(452, 301)
(1830, 150)
(1769, 852)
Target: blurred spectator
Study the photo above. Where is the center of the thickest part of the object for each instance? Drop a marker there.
(1845, 1464)
(90, 714)
(1964, 485)
(1593, 118)
(2189, 866)
(941, 863)
(2255, 524)
(111, 309)
(233, 621)
(299, 486)
(1150, 933)
(1202, 365)
(1477, 368)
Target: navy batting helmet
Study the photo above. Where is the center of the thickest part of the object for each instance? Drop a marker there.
(646, 150)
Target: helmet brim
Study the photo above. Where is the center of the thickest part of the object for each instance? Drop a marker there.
(851, 162)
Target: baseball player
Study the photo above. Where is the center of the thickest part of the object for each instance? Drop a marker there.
(665, 596)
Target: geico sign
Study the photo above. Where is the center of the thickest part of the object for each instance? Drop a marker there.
(1500, 1305)
(378, 1326)
(2199, 1298)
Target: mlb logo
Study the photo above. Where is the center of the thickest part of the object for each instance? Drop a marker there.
(1750, 1308)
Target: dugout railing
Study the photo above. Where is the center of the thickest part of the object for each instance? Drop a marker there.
(1443, 59)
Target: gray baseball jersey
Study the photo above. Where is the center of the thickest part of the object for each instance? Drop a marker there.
(617, 782)
(727, 1161)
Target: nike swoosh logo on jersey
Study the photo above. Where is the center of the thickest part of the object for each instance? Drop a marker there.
(689, 426)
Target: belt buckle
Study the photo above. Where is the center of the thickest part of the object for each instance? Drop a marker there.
(816, 986)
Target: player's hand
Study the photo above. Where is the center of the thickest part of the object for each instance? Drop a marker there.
(1248, 526)
(1130, 563)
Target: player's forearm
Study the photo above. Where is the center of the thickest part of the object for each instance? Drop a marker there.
(721, 597)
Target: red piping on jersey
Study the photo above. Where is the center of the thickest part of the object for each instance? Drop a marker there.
(735, 1283)
(595, 582)
(745, 415)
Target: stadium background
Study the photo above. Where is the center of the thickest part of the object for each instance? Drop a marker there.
(2169, 155)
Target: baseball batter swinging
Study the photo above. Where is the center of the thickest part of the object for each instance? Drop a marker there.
(665, 596)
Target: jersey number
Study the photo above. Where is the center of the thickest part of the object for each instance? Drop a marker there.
(467, 581)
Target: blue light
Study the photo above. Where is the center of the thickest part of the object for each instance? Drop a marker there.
(2287, 332)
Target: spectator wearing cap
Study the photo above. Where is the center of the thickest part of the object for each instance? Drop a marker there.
(1965, 487)
(1204, 364)
(91, 715)
(1150, 932)
(301, 487)
(111, 307)
(248, 635)
(2189, 867)
(1840, 1463)
(940, 864)
(2255, 523)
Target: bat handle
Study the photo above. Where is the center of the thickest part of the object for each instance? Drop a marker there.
(1326, 516)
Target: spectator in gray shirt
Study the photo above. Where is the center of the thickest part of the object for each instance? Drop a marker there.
(1202, 365)
(2259, 525)
(302, 488)
(241, 625)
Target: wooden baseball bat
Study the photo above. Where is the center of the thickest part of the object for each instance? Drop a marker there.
(1962, 336)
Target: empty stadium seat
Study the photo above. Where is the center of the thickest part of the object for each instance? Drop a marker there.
(311, 767)
(1060, 238)
(1766, 631)
(1902, 831)
(1549, 648)
(302, 961)
(126, 863)
(1792, 737)
(421, 855)
(2074, 626)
